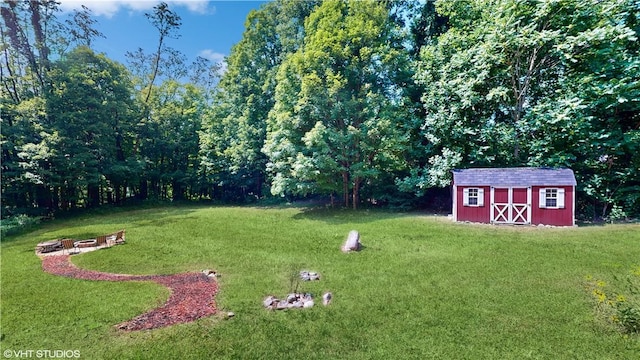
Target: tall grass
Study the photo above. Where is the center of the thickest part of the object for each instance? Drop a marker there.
(422, 287)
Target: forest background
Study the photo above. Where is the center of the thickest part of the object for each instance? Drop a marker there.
(360, 102)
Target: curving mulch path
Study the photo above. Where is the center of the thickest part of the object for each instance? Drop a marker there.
(191, 293)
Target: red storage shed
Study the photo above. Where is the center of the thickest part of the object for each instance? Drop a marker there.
(515, 196)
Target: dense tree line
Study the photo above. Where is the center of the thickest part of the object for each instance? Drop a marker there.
(80, 130)
(358, 101)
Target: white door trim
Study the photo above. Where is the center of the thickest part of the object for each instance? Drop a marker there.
(510, 212)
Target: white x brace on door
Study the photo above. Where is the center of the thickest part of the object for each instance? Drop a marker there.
(511, 205)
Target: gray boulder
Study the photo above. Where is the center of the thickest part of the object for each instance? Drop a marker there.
(352, 243)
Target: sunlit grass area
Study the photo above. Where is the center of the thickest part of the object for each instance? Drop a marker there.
(422, 287)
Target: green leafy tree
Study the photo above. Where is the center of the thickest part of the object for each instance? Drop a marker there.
(26, 167)
(335, 126)
(592, 123)
(171, 142)
(30, 29)
(234, 130)
(165, 64)
(30, 34)
(91, 114)
(514, 83)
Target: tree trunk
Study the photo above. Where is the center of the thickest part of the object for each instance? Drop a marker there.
(345, 188)
(118, 193)
(43, 197)
(143, 194)
(356, 192)
(259, 184)
(19, 41)
(55, 198)
(93, 195)
(39, 34)
(177, 192)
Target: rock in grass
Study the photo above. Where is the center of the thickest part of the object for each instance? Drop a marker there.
(309, 275)
(281, 305)
(352, 243)
(210, 273)
(326, 298)
(269, 302)
(304, 275)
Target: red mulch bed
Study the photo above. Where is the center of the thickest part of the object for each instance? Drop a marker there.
(191, 294)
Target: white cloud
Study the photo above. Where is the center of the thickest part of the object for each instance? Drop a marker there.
(215, 57)
(212, 55)
(108, 8)
(196, 6)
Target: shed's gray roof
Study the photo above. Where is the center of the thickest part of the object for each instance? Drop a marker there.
(513, 177)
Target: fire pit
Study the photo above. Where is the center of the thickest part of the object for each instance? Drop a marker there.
(85, 243)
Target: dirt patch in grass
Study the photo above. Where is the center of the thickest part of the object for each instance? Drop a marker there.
(191, 293)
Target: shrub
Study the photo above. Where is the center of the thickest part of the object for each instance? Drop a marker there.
(617, 214)
(14, 224)
(619, 302)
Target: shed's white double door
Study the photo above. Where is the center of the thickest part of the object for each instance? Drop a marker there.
(511, 205)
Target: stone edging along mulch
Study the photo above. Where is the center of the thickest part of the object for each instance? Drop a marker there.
(191, 293)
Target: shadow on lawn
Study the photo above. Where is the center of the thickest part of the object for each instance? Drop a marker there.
(162, 221)
(104, 220)
(341, 216)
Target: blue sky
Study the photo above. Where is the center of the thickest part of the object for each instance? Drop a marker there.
(209, 28)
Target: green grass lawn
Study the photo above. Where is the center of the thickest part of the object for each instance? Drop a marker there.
(422, 287)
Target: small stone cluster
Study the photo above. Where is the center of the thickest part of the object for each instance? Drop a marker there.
(309, 276)
(296, 300)
(293, 300)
